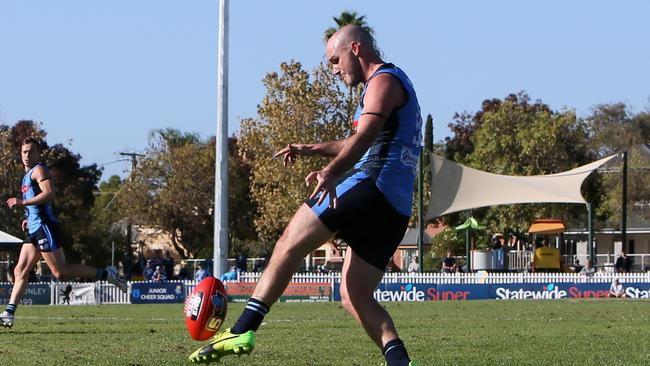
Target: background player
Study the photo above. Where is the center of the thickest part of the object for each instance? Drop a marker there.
(42, 227)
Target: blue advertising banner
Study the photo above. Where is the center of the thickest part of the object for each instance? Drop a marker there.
(510, 291)
(35, 294)
(157, 293)
(463, 292)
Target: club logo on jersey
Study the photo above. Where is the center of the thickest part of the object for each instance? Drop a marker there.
(24, 188)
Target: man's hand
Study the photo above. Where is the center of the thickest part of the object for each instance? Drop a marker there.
(291, 151)
(13, 201)
(23, 225)
(325, 185)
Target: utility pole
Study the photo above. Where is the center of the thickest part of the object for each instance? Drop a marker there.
(624, 206)
(134, 163)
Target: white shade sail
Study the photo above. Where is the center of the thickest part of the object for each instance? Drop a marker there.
(456, 187)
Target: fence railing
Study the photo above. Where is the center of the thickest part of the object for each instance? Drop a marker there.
(106, 293)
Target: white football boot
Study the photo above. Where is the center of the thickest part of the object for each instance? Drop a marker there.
(7, 319)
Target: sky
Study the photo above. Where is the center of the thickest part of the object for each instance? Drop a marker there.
(100, 75)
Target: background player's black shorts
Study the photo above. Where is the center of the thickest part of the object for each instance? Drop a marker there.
(46, 238)
(365, 219)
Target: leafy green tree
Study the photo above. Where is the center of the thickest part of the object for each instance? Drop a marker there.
(241, 206)
(172, 188)
(615, 128)
(517, 137)
(298, 107)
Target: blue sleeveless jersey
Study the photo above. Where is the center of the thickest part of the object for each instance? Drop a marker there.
(391, 160)
(35, 215)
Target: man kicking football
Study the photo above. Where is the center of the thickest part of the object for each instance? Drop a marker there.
(42, 227)
(364, 194)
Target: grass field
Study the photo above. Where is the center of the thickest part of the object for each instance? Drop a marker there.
(566, 332)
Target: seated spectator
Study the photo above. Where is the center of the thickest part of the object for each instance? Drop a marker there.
(159, 274)
(576, 266)
(616, 289)
(201, 273)
(449, 263)
(589, 269)
(323, 268)
(230, 275)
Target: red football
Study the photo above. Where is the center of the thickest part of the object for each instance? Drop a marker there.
(206, 308)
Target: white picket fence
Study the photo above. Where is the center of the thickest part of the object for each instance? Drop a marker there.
(106, 293)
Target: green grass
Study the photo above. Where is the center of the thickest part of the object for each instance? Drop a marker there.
(566, 332)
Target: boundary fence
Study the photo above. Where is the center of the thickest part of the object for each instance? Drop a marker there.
(106, 293)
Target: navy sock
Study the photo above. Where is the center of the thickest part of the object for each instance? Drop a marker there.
(251, 318)
(101, 275)
(395, 353)
(11, 308)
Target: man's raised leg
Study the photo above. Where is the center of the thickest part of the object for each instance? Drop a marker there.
(64, 270)
(304, 234)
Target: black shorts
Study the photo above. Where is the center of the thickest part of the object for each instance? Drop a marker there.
(46, 238)
(365, 219)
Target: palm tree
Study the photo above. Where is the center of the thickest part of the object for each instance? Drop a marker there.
(348, 17)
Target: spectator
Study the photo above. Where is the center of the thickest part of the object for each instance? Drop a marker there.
(156, 260)
(449, 263)
(498, 241)
(616, 289)
(324, 268)
(576, 266)
(623, 263)
(589, 269)
(201, 273)
(168, 265)
(147, 271)
(184, 273)
(414, 266)
(159, 274)
(241, 262)
(230, 275)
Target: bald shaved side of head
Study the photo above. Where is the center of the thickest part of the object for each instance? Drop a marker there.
(354, 33)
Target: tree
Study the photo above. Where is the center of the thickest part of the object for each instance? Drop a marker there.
(615, 128)
(241, 206)
(516, 137)
(173, 189)
(298, 107)
(346, 18)
(427, 155)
